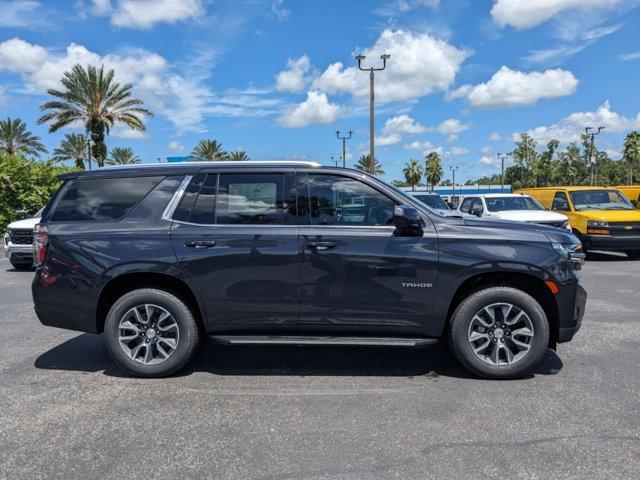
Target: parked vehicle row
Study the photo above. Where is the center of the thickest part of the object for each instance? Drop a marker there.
(157, 256)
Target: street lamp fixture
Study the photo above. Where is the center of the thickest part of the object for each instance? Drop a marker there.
(344, 139)
(371, 71)
(593, 158)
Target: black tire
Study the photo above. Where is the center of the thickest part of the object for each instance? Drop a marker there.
(634, 254)
(462, 318)
(21, 265)
(188, 328)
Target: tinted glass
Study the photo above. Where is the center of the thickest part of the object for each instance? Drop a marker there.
(466, 205)
(202, 211)
(600, 200)
(433, 201)
(336, 200)
(560, 202)
(189, 197)
(102, 199)
(250, 198)
(501, 204)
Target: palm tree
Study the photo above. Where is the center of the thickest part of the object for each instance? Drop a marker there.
(412, 173)
(15, 138)
(208, 150)
(366, 164)
(92, 97)
(73, 147)
(237, 156)
(123, 156)
(631, 152)
(433, 169)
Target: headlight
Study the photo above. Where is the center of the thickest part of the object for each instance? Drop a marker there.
(572, 251)
(596, 224)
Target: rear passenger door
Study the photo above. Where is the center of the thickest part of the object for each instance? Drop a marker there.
(235, 233)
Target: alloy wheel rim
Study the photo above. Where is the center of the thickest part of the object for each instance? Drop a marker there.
(501, 334)
(148, 334)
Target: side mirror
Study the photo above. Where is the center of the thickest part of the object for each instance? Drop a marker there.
(407, 221)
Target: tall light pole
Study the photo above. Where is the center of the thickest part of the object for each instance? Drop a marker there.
(453, 174)
(593, 158)
(502, 157)
(344, 139)
(371, 71)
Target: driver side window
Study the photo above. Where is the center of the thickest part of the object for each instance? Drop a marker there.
(560, 202)
(336, 200)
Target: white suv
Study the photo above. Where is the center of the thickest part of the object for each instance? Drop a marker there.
(18, 242)
(511, 206)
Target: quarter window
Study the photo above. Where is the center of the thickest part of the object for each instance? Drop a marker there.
(102, 199)
(337, 200)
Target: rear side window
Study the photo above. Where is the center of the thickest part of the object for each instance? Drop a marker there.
(102, 199)
(251, 198)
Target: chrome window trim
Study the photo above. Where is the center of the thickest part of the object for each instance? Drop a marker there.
(177, 197)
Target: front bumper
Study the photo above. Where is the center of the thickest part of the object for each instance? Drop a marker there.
(20, 252)
(569, 325)
(612, 242)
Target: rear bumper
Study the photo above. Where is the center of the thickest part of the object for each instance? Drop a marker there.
(612, 242)
(571, 322)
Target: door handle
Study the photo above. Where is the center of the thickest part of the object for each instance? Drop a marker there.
(320, 245)
(200, 244)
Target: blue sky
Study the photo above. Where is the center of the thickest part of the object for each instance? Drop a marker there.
(277, 78)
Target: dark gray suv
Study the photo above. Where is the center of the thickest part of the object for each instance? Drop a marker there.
(158, 256)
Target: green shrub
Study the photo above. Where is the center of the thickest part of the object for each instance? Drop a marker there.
(25, 185)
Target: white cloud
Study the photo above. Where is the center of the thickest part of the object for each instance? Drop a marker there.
(489, 161)
(127, 133)
(101, 7)
(457, 151)
(418, 145)
(451, 126)
(2, 90)
(397, 7)
(486, 150)
(452, 138)
(19, 13)
(625, 57)
(295, 77)
(145, 14)
(569, 128)
(420, 64)
(494, 137)
(175, 146)
(511, 88)
(390, 139)
(315, 109)
(18, 56)
(526, 14)
(279, 11)
(402, 124)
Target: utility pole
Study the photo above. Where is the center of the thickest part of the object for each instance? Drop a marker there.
(371, 71)
(89, 150)
(502, 158)
(593, 158)
(344, 139)
(453, 174)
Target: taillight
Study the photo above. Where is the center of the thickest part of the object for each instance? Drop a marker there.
(40, 244)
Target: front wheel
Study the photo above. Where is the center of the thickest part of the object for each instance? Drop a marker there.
(499, 333)
(151, 333)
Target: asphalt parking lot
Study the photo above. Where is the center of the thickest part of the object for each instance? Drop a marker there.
(352, 413)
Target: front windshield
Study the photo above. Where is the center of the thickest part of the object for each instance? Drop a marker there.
(500, 204)
(433, 201)
(600, 200)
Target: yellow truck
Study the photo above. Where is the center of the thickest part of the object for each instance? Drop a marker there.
(602, 218)
(632, 192)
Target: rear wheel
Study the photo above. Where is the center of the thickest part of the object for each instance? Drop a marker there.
(499, 333)
(151, 333)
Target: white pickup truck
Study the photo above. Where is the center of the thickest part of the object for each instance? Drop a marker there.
(511, 206)
(18, 242)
